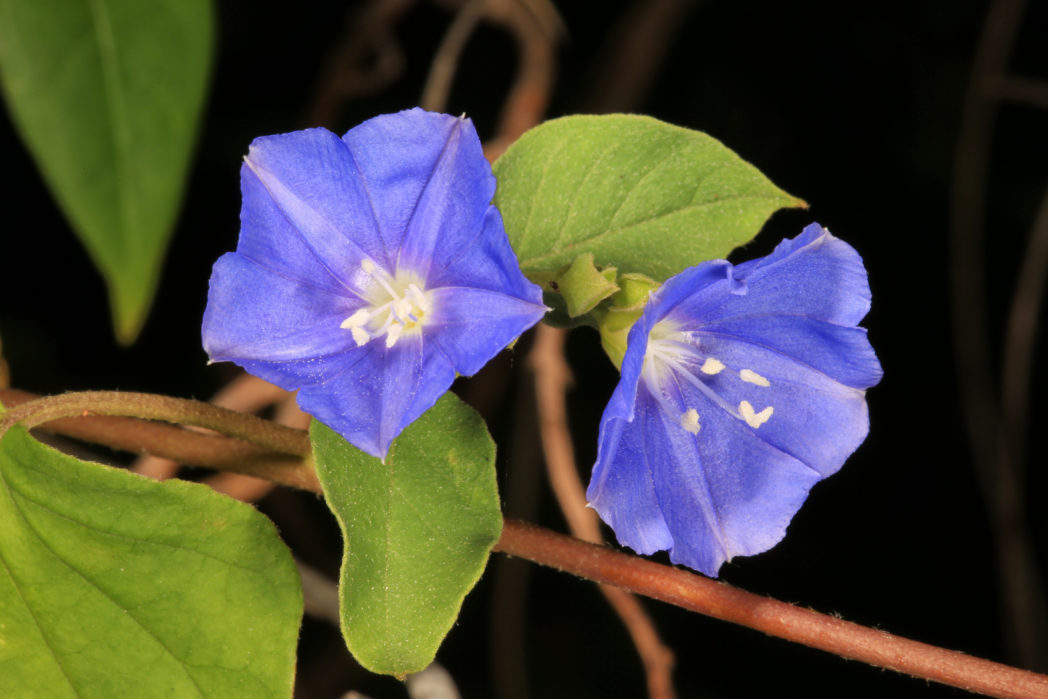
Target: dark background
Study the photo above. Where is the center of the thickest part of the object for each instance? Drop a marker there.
(855, 107)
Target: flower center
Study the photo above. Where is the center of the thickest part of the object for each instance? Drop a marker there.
(398, 306)
(675, 352)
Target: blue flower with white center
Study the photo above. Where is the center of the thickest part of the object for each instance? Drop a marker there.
(742, 386)
(370, 269)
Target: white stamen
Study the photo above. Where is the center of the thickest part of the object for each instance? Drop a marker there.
(393, 334)
(754, 419)
(754, 378)
(397, 306)
(690, 420)
(402, 308)
(712, 366)
(360, 336)
(418, 298)
(357, 320)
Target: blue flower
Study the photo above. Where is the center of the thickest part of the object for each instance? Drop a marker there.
(370, 269)
(742, 386)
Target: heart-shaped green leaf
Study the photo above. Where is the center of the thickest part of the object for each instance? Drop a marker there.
(113, 585)
(417, 529)
(639, 194)
(107, 95)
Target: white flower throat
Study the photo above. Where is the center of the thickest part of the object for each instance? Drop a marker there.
(674, 352)
(398, 306)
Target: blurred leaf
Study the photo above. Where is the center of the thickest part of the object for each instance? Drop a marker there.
(639, 194)
(107, 95)
(417, 531)
(114, 585)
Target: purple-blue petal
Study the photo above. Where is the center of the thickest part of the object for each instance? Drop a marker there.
(814, 275)
(428, 181)
(485, 261)
(782, 332)
(255, 313)
(473, 325)
(398, 210)
(380, 393)
(317, 186)
(723, 492)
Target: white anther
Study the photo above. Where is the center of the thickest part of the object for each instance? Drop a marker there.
(754, 419)
(393, 334)
(402, 309)
(754, 378)
(420, 300)
(360, 336)
(712, 366)
(357, 320)
(690, 420)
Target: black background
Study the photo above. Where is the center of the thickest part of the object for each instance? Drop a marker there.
(854, 107)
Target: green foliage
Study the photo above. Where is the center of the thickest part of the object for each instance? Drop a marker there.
(417, 530)
(106, 95)
(592, 192)
(113, 585)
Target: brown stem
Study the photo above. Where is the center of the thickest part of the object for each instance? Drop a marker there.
(552, 378)
(185, 446)
(249, 428)
(722, 601)
(604, 565)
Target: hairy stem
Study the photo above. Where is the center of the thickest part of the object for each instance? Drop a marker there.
(147, 406)
(597, 563)
(722, 601)
(78, 415)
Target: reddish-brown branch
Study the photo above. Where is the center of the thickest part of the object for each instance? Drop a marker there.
(173, 442)
(722, 601)
(604, 565)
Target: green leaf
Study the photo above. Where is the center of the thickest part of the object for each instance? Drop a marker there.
(417, 530)
(113, 585)
(639, 194)
(107, 95)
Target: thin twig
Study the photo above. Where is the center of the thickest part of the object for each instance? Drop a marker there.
(536, 28)
(552, 378)
(445, 61)
(1029, 91)
(999, 475)
(722, 601)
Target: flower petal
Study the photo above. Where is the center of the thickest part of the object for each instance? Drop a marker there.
(313, 180)
(814, 418)
(287, 320)
(473, 325)
(268, 239)
(841, 353)
(723, 491)
(382, 392)
(814, 275)
(622, 490)
(429, 182)
(759, 380)
(485, 262)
